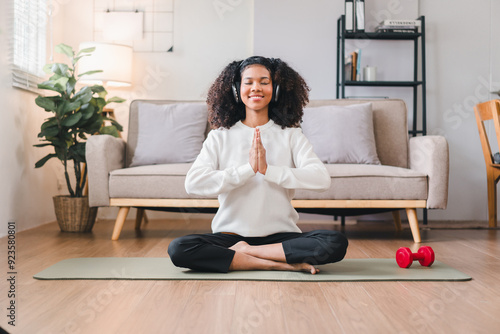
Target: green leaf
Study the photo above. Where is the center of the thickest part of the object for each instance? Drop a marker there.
(87, 50)
(102, 95)
(109, 130)
(61, 83)
(90, 72)
(61, 69)
(72, 119)
(50, 122)
(88, 111)
(49, 131)
(59, 144)
(45, 103)
(55, 77)
(48, 68)
(116, 99)
(65, 49)
(84, 95)
(60, 109)
(66, 107)
(101, 103)
(42, 161)
(94, 125)
(114, 123)
(71, 106)
(43, 145)
(100, 90)
(50, 86)
(70, 85)
(97, 89)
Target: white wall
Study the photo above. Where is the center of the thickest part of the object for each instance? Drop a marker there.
(25, 192)
(463, 56)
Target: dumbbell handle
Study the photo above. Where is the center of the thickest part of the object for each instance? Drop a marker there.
(418, 256)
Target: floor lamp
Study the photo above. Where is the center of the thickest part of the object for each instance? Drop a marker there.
(115, 62)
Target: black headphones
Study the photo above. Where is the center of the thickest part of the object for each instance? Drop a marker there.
(236, 86)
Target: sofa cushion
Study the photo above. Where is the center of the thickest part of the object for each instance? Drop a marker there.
(371, 182)
(171, 133)
(153, 181)
(348, 182)
(342, 134)
(390, 126)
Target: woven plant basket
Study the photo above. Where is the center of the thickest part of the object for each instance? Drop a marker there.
(74, 214)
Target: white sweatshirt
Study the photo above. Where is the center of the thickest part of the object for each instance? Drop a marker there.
(254, 205)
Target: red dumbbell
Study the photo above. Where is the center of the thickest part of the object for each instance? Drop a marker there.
(405, 258)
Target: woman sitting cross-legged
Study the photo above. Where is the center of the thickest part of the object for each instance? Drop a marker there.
(253, 161)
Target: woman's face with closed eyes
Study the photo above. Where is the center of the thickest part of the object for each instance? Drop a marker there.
(256, 88)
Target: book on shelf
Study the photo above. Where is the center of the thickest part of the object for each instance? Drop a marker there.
(352, 67)
(348, 68)
(359, 15)
(403, 22)
(398, 26)
(354, 11)
(358, 65)
(349, 15)
(402, 29)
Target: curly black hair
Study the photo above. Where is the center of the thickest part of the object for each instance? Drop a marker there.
(224, 111)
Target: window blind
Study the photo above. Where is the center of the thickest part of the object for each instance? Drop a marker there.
(28, 47)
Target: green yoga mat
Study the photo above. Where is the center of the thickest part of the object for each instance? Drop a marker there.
(144, 268)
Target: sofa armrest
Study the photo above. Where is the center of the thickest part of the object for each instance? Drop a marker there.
(429, 155)
(104, 153)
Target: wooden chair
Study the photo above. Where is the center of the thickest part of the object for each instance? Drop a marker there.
(484, 112)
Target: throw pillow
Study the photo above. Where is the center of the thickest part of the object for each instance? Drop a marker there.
(169, 133)
(342, 134)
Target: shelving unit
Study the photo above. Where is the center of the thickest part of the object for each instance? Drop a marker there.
(342, 35)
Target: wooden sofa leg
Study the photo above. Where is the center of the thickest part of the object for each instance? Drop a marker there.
(120, 220)
(413, 220)
(138, 218)
(397, 220)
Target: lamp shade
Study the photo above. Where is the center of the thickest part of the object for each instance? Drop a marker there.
(114, 60)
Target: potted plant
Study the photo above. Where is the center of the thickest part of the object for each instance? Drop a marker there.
(75, 114)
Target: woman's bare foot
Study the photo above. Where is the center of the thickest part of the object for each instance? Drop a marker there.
(240, 246)
(306, 267)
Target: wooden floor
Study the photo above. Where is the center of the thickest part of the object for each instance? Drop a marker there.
(252, 307)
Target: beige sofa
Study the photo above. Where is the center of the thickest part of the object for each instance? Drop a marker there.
(413, 173)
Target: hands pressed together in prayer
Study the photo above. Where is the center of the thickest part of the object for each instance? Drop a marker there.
(258, 154)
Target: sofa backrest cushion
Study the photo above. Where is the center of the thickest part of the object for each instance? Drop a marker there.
(173, 128)
(389, 124)
(341, 134)
(169, 133)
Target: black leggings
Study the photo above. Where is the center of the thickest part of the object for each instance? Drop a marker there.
(210, 252)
